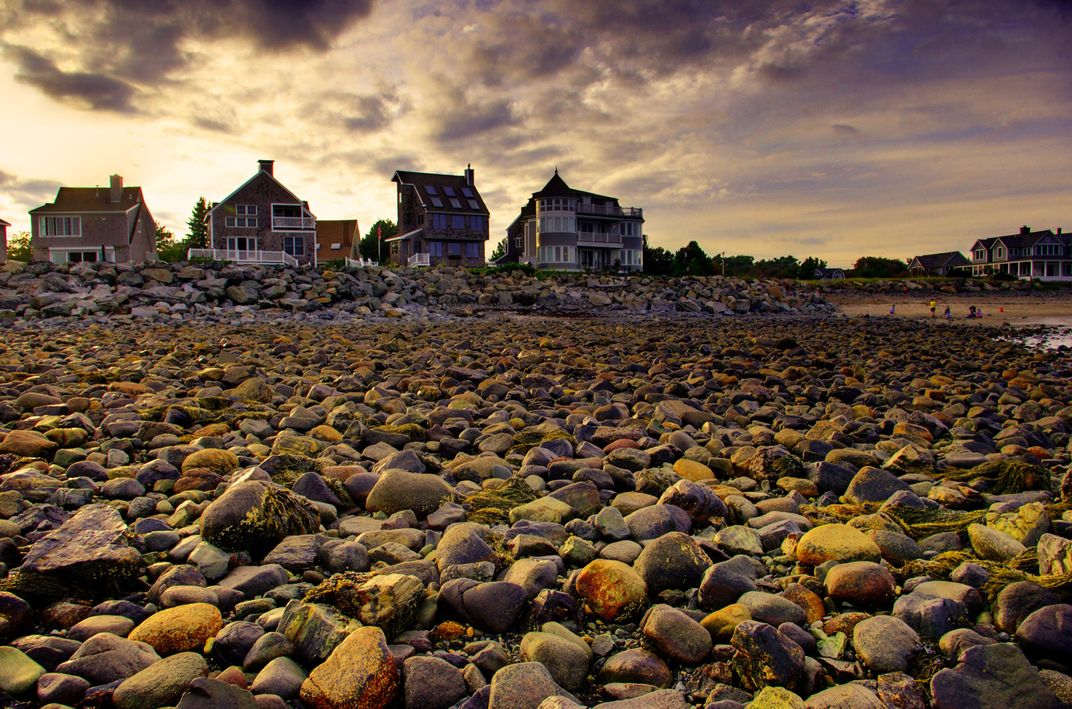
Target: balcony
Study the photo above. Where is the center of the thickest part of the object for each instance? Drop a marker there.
(609, 210)
(293, 223)
(420, 260)
(279, 258)
(593, 238)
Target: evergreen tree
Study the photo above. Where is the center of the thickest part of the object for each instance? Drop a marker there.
(499, 251)
(197, 236)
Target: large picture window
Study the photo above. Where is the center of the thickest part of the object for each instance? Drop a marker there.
(61, 226)
(294, 245)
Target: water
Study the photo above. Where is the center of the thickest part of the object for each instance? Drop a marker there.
(1058, 332)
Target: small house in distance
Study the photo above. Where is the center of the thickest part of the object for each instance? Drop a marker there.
(90, 224)
(829, 274)
(441, 219)
(3, 240)
(261, 222)
(336, 239)
(943, 264)
(563, 228)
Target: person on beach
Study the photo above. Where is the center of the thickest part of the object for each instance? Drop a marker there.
(971, 312)
(934, 306)
(948, 313)
(892, 308)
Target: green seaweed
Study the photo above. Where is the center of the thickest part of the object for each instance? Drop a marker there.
(1003, 477)
(492, 507)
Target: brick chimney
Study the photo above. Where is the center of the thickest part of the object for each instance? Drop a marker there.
(1025, 229)
(267, 166)
(116, 194)
(470, 176)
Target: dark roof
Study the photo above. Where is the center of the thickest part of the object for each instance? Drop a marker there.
(1024, 239)
(74, 200)
(3, 223)
(557, 187)
(434, 191)
(933, 262)
(335, 231)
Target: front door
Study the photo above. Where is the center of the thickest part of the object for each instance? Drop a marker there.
(239, 246)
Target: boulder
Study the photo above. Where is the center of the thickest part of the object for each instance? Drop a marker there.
(254, 516)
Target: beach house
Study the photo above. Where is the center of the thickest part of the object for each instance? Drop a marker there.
(1040, 255)
(89, 224)
(567, 229)
(261, 222)
(441, 219)
(947, 263)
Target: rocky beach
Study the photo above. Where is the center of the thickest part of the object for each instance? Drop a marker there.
(231, 486)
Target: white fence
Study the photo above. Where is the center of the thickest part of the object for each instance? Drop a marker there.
(360, 262)
(237, 256)
(421, 259)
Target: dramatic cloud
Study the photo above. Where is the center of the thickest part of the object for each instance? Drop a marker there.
(95, 91)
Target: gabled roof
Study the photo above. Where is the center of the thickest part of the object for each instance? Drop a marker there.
(434, 190)
(557, 187)
(335, 231)
(3, 223)
(216, 205)
(1024, 238)
(934, 262)
(77, 200)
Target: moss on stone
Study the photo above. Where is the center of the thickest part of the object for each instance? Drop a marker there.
(493, 506)
(1003, 477)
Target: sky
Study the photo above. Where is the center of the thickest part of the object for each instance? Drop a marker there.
(827, 128)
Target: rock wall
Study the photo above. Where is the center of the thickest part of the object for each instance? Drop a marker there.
(177, 291)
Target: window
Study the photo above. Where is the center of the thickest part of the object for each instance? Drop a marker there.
(999, 252)
(980, 254)
(241, 222)
(435, 248)
(558, 224)
(448, 191)
(430, 189)
(477, 223)
(467, 192)
(61, 226)
(246, 210)
(473, 204)
(457, 221)
(335, 245)
(454, 248)
(294, 245)
(455, 203)
(472, 249)
(437, 202)
(439, 221)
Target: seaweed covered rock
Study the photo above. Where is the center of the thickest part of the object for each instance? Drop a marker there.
(91, 551)
(1002, 477)
(388, 601)
(254, 516)
(773, 462)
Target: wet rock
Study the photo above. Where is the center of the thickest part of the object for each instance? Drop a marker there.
(358, 672)
(254, 516)
(765, 657)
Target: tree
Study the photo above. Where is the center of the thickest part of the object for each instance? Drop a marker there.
(197, 236)
(657, 261)
(878, 267)
(739, 266)
(499, 251)
(18, 246)
(370, 243)
(692, 260)
(168, 248)
(806, 272)
(780, 267)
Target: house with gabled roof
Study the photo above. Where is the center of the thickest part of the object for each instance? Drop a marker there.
(91, 224)
(261, 222)
(946, 263)
(3, 240)
(336, 239)
(1040, 255)
(563, 228)
(442, 219)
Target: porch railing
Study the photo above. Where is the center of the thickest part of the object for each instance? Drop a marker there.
(242, 256)
(420, 259)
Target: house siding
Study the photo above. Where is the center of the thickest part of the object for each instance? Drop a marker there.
(262, 191)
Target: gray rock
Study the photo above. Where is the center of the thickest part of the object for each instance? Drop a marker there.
(885, 643)
(673, 560)
(161, 683)
(676, 634)
(991, 677)
(431, 683)
(1047, 633)
(106, 658)
(873, 485)
(398, 490)
(282, 676)
(522, 686)
(92, 547)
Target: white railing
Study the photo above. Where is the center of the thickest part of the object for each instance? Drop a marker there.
(238, 256)
(359, 262)
(610, 210)
(422, 259)
(588, 237)
(287, 223)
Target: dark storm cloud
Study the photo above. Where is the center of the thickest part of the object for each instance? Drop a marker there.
(27, 190)
(470, 119)
(374, 112)
(116, 43)
(96, 91)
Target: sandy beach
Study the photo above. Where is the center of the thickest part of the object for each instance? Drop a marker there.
(998, 309)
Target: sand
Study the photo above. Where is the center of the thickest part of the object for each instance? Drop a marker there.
(998, 309)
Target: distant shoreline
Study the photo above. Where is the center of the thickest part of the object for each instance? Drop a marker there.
(998, 308)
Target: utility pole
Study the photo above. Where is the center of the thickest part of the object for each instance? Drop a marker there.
(722, 258)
